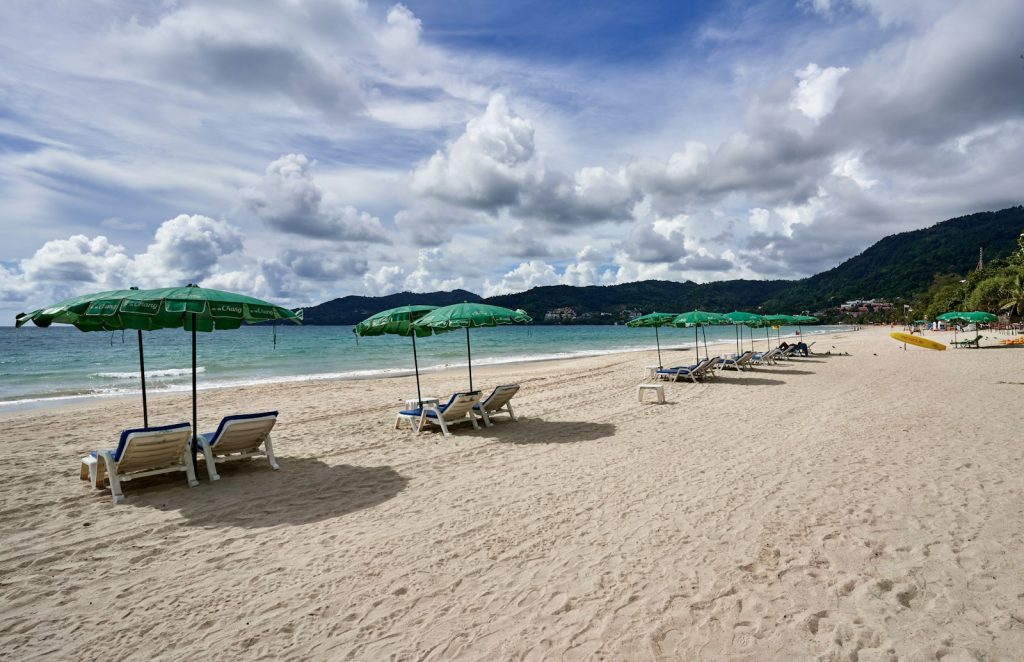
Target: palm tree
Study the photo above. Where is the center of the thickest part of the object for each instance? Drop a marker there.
(1014, 302)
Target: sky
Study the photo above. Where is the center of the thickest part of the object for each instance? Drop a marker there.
(302, 150)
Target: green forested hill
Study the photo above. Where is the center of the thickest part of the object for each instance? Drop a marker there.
(644, 295)
(904, 264)
(900, 265)
(354, 309)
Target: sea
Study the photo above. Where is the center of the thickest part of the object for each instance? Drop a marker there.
(57, 365)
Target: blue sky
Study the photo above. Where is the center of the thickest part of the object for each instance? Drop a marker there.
(306, 149)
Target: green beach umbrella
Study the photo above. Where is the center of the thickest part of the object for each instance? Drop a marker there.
(699, 318)
(975, 317)
(399, 321)
(654, 320)
(739, 318)
(467, 316)
(192, 308)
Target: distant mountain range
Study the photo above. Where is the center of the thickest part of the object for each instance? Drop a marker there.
(898, 266)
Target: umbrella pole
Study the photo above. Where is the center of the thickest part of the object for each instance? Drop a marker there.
(416, 366)
(696, 343)
(195, 433)
(737, 330)
(704, 332)
(142, 373)
(659, 346)
(469, 356)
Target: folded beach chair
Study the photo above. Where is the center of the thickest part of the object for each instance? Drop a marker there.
(238, 437)
(498, 401)
(738, 363)
(456, 410)
(141, 452)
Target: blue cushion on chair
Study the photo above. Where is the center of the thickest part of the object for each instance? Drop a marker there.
(123, 441)
(418, 412)
(212, 437)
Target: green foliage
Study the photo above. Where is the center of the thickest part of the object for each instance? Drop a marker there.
(902, 265)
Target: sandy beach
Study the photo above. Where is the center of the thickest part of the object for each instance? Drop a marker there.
(863, 507)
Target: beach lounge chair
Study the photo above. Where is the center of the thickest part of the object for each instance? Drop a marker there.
(693, 372)
(141, 452)
(973, 342)
(765, 358)
(738, 363)
(498, 401)
(709, 371)
(238, 437)
(456, 410)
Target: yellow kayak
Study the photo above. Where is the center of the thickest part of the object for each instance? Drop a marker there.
(917, 340)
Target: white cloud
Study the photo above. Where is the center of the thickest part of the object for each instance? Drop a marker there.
(488, 165)
(186, 248)
(534, 273)
(818, 90)
(289, 200)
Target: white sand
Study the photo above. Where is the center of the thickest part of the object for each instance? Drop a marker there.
(864, 507)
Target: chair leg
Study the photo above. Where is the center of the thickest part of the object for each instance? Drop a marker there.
(112, 478)
(270, 454)
(190, 471)
(510, 412)
(211, 462)
(444, 426)
(423, 419)
(472, 419)
(487, 418)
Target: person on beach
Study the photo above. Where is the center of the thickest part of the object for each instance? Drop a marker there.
(801, 348)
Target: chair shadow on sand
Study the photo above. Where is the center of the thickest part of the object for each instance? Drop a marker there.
(783, 371)
(529, 430)
(748, 381)
(250, 494)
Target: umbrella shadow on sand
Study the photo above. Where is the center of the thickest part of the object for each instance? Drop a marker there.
(250, 494)
(539, 431)
(784, 371)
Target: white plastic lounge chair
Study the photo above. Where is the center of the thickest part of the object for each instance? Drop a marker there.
(693, 373)
(680, 372)
(498, 401)
(141, 452)
(456, 410)
(238, 437)
(765, 358)
(713, 363)
(738, 363)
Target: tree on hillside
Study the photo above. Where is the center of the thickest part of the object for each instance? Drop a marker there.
(1013, 301)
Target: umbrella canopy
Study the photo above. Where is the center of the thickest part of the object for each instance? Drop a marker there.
(655, 320)
(469, 315)
(193, 308)
(977, 317)
(699, 318)
(399, 322)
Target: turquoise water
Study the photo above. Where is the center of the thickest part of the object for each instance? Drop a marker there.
(58, 364)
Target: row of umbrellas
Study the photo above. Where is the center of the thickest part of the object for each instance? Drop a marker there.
(191, 308)
(422, 321)
(698, 319)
